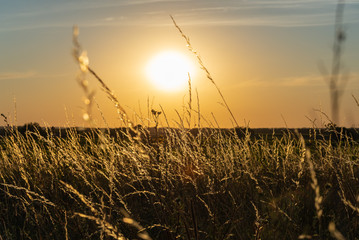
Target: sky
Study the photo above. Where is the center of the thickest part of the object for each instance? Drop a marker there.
(269, 59)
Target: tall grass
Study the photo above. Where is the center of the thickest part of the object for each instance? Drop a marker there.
(212, 185)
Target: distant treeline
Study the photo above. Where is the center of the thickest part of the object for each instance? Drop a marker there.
(334, 133)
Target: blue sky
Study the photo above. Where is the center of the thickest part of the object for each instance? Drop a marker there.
(20, 15)
(263, 54)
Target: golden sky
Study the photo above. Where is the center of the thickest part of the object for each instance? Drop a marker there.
(263, 55)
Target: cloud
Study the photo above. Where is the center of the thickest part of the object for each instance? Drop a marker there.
(298, 81)
(276, 13)
(272, 13)
(32, 75)
(266, 21)
(303, 81)
(88, 13)
(91, 13)
(16, 75)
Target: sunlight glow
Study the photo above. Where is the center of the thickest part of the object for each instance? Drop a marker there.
(168, 71)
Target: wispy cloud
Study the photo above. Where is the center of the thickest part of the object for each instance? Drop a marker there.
(303, 81)
(87, 13)
(32, 75)
(91, 13)
(297, 81)
(17, 75)
(295, 20)
(295, 13)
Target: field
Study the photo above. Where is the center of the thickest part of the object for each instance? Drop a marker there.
(158, 182)
(180, 184)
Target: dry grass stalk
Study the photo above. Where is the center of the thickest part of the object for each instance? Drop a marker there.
(336, 81)
(356, 100)
(142, 233)
(87, 202)
(203, 67)
(334, 232)
(30, 194)
(108, 228)
(194, 221)
(318, 198)
(65, 227)
(198, 111)
(257, 223)
(82, 59)
(348, 203)
(305, 236)
(189, 110)
(5, 120)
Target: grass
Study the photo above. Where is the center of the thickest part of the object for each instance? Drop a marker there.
(210, 185)
(176, 183)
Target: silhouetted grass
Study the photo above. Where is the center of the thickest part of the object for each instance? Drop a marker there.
(205, 185)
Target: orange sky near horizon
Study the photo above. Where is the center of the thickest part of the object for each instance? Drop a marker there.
(263, 55)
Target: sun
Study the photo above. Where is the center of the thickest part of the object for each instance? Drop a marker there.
(169, 70)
